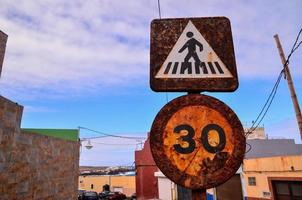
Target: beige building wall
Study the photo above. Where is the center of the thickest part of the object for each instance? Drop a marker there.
(264, 169)
(124, 183)
(258, 133)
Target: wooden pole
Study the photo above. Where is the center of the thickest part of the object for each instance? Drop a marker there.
(290, 85)
(199, 194)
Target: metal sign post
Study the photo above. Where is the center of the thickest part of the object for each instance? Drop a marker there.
(199, 195)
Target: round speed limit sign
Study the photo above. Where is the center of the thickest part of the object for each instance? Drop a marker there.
(197, 141)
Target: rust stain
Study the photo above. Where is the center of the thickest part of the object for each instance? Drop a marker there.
(219, 160)
(210, 57)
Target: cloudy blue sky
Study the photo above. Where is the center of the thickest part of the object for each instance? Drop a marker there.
(86, 63)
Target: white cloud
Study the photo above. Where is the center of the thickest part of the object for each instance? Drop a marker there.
(80, 47)
(39, 109)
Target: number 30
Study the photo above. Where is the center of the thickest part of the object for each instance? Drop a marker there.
(204, 138)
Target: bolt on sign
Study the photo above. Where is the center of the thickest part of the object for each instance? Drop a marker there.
(197, 141)
(192, 54)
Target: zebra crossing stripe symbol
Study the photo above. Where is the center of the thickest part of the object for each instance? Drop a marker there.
(193, 57)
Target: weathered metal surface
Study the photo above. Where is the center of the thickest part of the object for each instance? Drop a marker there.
(217, 33)
(197, 141)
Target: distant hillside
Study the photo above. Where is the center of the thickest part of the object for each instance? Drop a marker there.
(84, 168)
(104, 170)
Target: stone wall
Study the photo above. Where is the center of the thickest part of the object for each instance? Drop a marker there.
(34, 166)
(3, 39)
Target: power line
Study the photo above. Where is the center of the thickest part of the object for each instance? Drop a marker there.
(96, 137)
(298, 46)
(271, 97)
(118, 144)
(295, 46)
(111, 135)
(249, 146)
(158, 5)
(266, 106)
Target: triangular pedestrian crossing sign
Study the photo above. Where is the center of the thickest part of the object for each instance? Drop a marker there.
(193, 57)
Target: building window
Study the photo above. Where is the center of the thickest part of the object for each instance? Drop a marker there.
(91, 186)
(266, 194)
(252, 181)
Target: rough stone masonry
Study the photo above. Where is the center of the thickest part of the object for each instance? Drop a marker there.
(33, 166)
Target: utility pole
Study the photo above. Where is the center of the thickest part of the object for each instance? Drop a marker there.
(290, 84)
